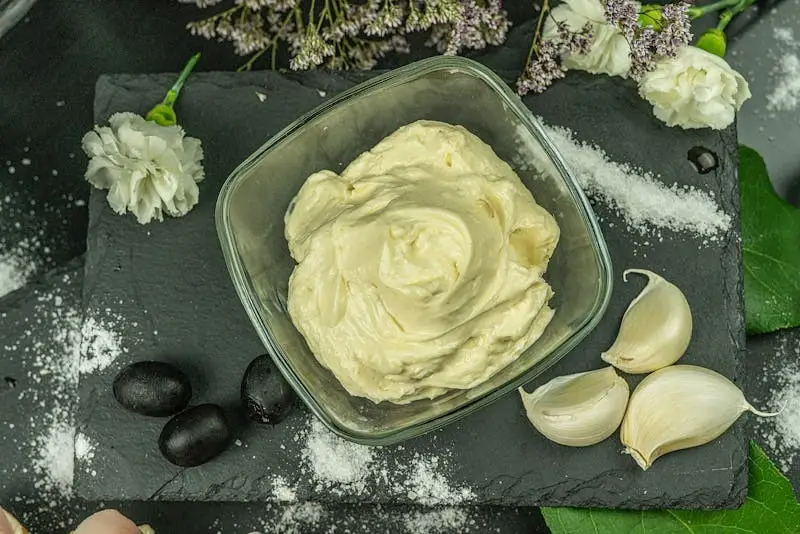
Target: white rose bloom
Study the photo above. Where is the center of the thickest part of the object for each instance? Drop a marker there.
(609, 52)
(695, 89)
(148, 169)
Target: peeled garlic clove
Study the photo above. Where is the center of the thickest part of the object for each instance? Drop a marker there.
(578, 410)
(679, 407)
(655, 330)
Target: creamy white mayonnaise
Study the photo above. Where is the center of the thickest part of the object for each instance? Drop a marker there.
(419, 267)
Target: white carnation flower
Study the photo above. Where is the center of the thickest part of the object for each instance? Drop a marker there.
(148, 169)
(609, 52)
(695, 89)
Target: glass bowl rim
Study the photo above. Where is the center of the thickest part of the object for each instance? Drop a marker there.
(246, 291)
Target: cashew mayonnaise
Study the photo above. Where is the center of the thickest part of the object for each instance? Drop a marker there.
(419, 267)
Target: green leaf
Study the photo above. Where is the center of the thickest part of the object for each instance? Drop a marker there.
(770, 250)
(770, 508)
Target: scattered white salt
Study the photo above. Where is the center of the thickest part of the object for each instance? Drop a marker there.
(640, 199)
(784, 35)
(781, 433)
(437, 521)
(301, 518)
(55, 460)
(261, 96)
(101, 344)
(53, 372)
(17, 266)
(282, 491)
(25, 161)
(335, 463)
(427, 484)
(84, 447)
(786, 94)
(342, 468)
(60, 103)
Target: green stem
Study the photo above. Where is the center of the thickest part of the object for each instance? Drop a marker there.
(174, 91)
(726, 16)
(698, 11)
(724, 19)
(537, 33)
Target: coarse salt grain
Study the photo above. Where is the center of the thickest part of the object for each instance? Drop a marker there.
(101, 344)
(84, 447)
(336, 464)
(639, 198)
(786, 94)
(340, 467)
(427, 485)
(781, 433)
(53, 373)
(282, 491)
(784, 35)
(301, 518)
(18, 264)
(437, 521)
(55, 459)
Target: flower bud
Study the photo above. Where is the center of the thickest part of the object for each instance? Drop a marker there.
(713, 41)
(163, 115)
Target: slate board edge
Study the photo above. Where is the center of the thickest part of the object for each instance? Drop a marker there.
(99, 198)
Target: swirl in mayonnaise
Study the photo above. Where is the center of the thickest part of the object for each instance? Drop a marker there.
(419, 267)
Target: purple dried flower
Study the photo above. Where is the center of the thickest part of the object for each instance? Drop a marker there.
(351, 33)
(254, 5)
(386, 21)
(312, 50)
(547, 66)
(623, 14)
(543, 70)
(675, 31)
(475, 27)
(670, 35)
(642, 52)
(248, 35)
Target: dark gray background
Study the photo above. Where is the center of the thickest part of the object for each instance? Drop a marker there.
(56, 55)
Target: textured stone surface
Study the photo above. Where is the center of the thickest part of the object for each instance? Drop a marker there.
(170, 278)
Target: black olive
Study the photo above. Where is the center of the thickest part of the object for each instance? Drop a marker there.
(195, 436)
(266, 395)
(152, 388)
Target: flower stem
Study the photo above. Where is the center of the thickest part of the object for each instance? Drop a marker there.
(537, 35)
(726, 16)
(698, 11)
(163, 113)
(174, 91)
(724, 19)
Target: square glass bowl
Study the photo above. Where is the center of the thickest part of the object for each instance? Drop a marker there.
(253, 201)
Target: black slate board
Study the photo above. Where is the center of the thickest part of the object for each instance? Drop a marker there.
(170, 278)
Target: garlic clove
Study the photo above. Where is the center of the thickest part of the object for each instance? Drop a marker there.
(656, 328)
(9, 524)
(679, 407)
(580, 409)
